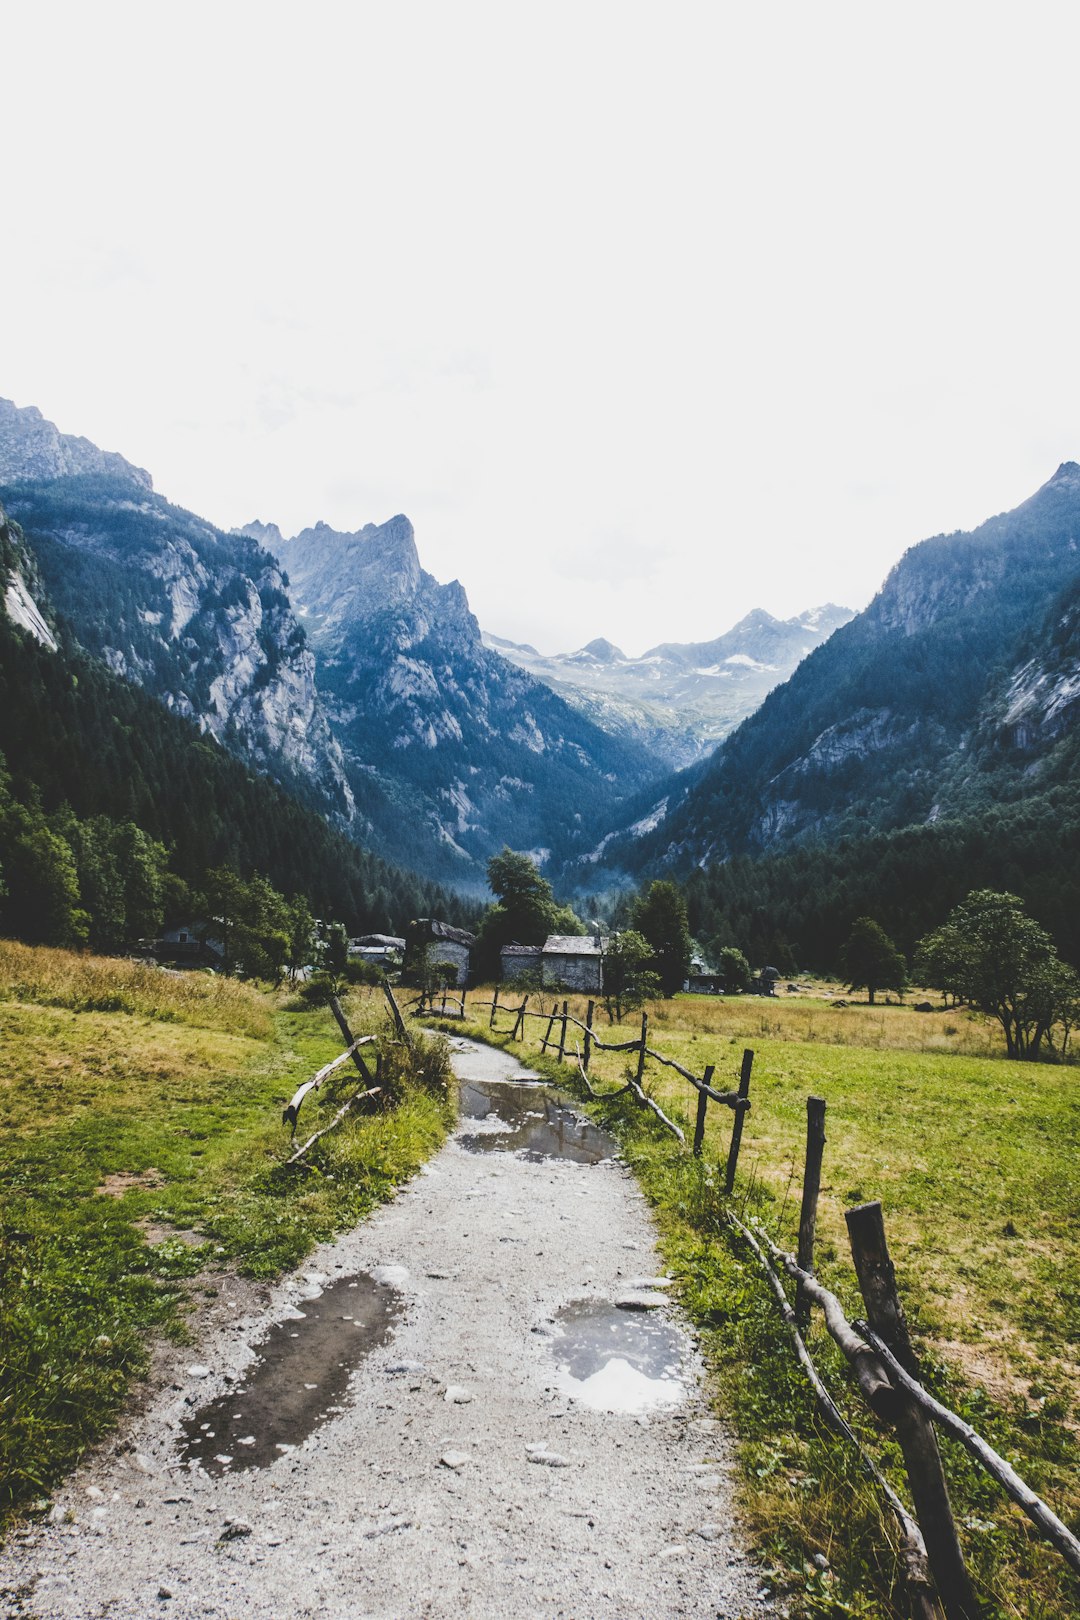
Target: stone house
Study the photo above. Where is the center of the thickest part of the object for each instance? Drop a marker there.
(519, 962)
(383, 950)
(444, 943)
(564, 961)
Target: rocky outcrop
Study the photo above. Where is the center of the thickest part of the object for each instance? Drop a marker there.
(451, 749)
(33, 447)
(199, 618)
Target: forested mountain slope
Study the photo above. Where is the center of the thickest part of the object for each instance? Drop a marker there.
(73, 733)
(451, 751)
(951, 692)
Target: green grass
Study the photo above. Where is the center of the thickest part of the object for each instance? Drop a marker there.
(116, 1120)
(974, 1161)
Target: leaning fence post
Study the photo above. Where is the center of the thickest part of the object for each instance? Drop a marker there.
(550, 1027)
(518, 1032)
(915, 1431)
(494, 1008)
(350, 1038)
(702, 1105)
(811, 1187)
(644, 1043)
(740, 1111)
(590, 1010)
(562, 1031)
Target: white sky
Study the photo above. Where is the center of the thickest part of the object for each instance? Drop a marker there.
(646, 314)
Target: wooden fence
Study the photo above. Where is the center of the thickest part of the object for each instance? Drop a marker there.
(878, 1350)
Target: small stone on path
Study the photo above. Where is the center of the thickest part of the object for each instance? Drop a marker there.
(454, 1459)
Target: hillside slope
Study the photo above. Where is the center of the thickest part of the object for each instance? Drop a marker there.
(911, 712)
(451, 751)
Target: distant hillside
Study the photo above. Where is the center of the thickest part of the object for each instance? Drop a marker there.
(679, 700)
(952, 692)
(451, 752)
(74, 733)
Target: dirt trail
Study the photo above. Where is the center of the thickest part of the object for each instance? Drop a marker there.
(470, 1468)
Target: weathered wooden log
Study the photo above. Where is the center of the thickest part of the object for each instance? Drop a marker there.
(914, 1563)
(597, 1096)
(914, 1430)
(562, 1032)
(1021, 1493)
(350, 1040)
(372, 1091)
(647, 1102)
(703, 1104)
(815, 1148)
(395, 1010)
(737, 1123)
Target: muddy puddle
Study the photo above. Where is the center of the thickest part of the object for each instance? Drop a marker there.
(535, 1121)
(617, 1360)
(299, 1381)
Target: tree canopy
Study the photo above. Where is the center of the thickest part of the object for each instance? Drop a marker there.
(660, 915)
(525, 910)
(870, 961)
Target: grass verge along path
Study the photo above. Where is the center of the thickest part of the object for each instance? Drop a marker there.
(143, 1149)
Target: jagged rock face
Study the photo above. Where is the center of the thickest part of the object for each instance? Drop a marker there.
(679, 700)
(452, 751)
(21, 586)
(903, 715)
(32, 447)
(199, 618)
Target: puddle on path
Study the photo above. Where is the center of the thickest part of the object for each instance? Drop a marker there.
(298, 1381)
(536, 1122)
(619, 1361)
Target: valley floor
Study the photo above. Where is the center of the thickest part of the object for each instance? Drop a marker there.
(459, 1476)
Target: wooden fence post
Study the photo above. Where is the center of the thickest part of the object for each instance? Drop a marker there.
(740, 1112)
(590, 1010)
(399, 1022)
(562, 1031)
(494, 1008)
(335, 1008)
(811, 1187)
(915, 1431)
(518, 1032)
(702, 1105)
(550, 1027)
(644, 1043)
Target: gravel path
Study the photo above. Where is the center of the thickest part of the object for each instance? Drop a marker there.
(463, 1474)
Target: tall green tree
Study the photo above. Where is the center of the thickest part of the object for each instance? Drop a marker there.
(525, 910)
(660, 915)
(630, 976)
(870, 961)
(991, 953)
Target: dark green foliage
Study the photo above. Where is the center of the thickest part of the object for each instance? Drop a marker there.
(870, 961)
(989, 952)
(82, 743)
(660, 915)
(734, 968)
(630, 976)
(808, 898)
(525, 912)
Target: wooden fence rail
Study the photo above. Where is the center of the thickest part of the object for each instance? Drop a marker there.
(932, 1567)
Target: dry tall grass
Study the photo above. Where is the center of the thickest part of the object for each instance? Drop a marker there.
(55, 978)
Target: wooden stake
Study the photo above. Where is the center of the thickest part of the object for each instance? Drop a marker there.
(494, 1008)
(815, 1147)
(915, 1431)
(741, 1106)
(702, 1106)
(399, 1022)
(350, 1039)
(519, 1022)
(644, 1043)
(591, 1009)
(550, 1027)
(562, 1031)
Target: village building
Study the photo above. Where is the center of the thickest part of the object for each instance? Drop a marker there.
(187, 945)
(381, 950)
(563, 962)
(443, 943)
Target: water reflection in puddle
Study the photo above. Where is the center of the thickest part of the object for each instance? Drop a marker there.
(619, 1361)
(298, 1381)
(536, 1122)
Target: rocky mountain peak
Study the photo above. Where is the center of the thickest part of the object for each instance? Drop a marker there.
(604, 651)
(33, 447)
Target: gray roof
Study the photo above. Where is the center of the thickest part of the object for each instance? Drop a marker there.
(573, 945)
(521, 950)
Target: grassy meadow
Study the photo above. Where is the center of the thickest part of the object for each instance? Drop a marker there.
(973, 1158)
(143, 1149)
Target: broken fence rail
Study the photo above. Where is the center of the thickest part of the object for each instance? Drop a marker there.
(883, 1362)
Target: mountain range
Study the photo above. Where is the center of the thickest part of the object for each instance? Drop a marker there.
(955, 690)
(679, 700)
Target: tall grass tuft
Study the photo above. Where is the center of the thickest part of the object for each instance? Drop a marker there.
(83, 983)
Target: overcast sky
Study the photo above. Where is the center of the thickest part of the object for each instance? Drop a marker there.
(646, 314)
